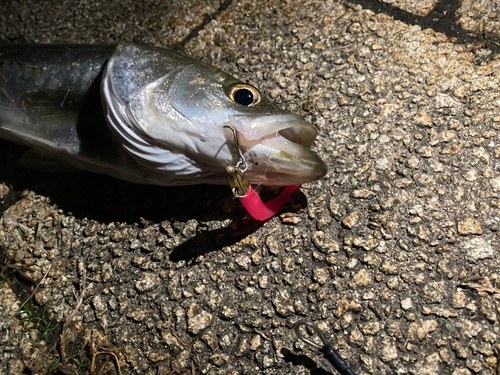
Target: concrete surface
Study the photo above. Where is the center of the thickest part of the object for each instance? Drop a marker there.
(394, 254)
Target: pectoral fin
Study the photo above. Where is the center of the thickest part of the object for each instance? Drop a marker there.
(56, 108)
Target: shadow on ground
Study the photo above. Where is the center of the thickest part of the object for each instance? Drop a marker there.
(441, 19)
(106, 199)
(305, 361)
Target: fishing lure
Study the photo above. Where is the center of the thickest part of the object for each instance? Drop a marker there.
(249, 198)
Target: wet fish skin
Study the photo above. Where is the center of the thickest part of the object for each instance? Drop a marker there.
(35, 111)
(146, 115)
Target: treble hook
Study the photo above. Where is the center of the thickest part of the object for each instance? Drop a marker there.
(242, 160)
(328, 351)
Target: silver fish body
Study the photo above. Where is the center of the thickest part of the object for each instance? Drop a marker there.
(148, 115)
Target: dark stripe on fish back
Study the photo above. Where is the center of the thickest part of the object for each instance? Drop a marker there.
(53, 93)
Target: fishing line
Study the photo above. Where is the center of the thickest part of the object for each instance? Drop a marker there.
(242, 160)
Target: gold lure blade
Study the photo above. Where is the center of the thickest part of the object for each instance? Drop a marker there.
(237, 181)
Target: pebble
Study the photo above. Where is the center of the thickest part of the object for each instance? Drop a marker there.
(477, 249)
(361, 279)
(198, 319)
(469, 226)
(147, 283)
(283, 304)
(321, 275)
(422, 328)
(388, 351)
(407, 304)
(138, 315)
(351, 220)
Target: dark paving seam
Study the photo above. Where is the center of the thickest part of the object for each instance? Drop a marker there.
(441, 19)
(209, 17)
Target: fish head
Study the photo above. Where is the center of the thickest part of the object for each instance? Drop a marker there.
(200, 120)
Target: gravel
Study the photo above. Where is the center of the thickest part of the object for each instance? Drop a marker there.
(394, 254)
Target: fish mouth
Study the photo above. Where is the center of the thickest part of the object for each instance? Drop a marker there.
(277, 149)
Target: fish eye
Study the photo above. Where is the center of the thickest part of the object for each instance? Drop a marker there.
(244, 94)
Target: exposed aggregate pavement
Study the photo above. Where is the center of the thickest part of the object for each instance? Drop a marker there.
(394, 254)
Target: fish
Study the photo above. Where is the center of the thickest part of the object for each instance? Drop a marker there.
(148, 115)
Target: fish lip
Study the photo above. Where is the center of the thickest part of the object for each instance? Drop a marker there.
(287, 163)
(291, 127)
(282, 149)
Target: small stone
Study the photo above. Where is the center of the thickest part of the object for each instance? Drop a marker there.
(459, 300)
(344, 305)
(135, 244)
(106, 272)
(321, 275)
(148, 282)
(388, 351)
(475, 365)
(477, 249)
(407, 304)
(423, 119)
(257, 257)
(470, 328)
(393, 283)
(283, 304)
(361, 279)
(273, 246)
(117, 236)
(290, 218)
(430, 366)
(267, 361)
(351, 220)
(446, 355)
(198, 319)
(433, 291)
(242, 347)
(367, 363)
(469, 226)
(98, 303)
(182, 361)
(342, 100)
(255, 342)
(389, 269)
(460, 351)
(219, 359)
(393, 329)
(495, 184)
(356, 337)
(363, 194)
(288, 264)
(370, 328)
(421, 329)
(370, 244)
(218, 276)
(325, 243)
(228, 313)
(157, 356)
(243, 261)
(439, 311)
(263, 282)
(138, 315)
(471, 175)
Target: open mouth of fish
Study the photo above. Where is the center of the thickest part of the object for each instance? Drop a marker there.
(278, 148)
